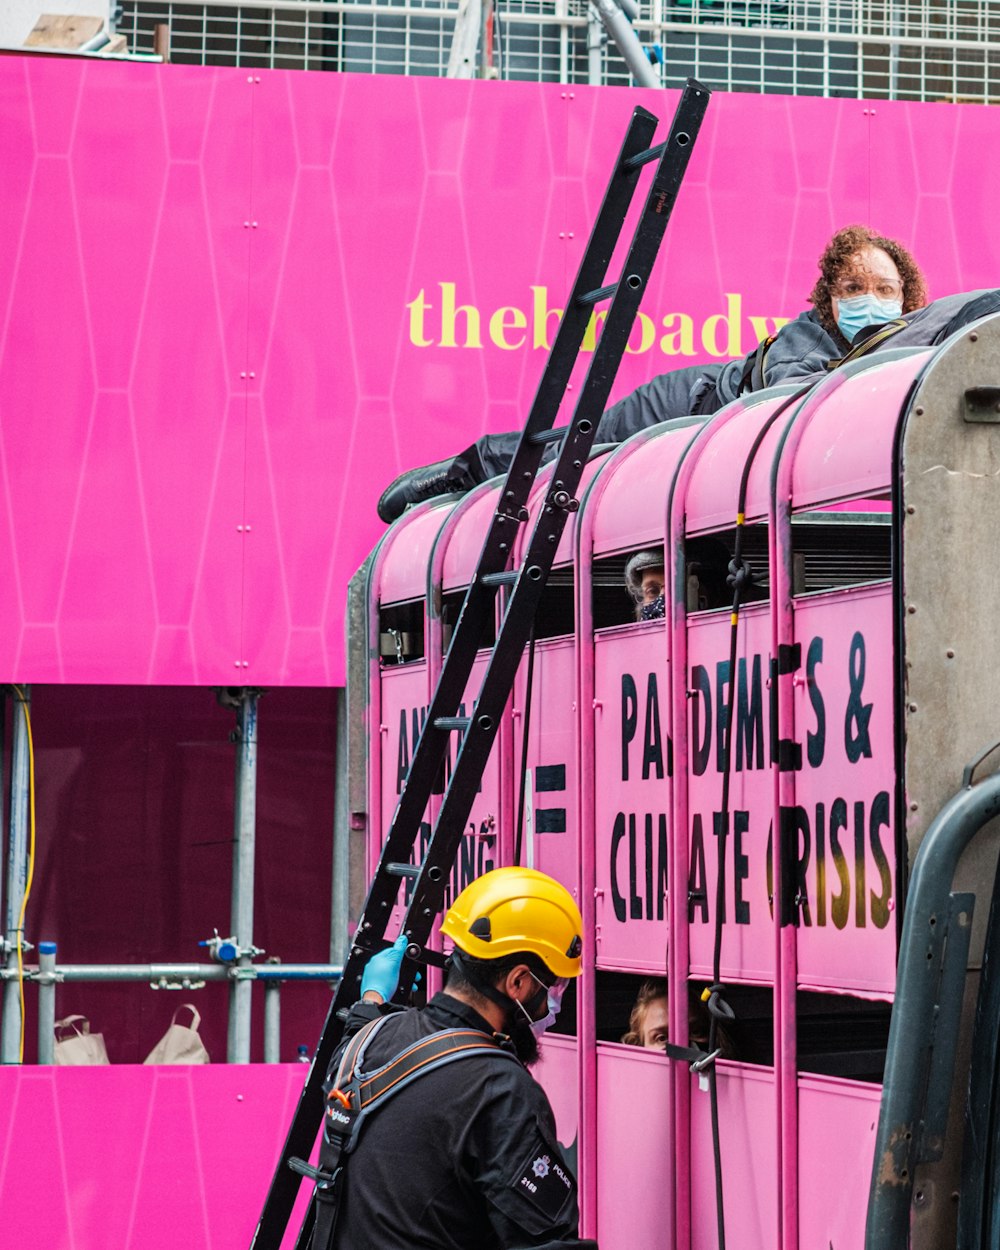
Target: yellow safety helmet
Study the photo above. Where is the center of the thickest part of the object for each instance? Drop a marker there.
(510, 910)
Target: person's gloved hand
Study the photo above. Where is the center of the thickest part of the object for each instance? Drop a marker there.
(381, 974)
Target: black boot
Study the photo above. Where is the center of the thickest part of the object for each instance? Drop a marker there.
(454, 475)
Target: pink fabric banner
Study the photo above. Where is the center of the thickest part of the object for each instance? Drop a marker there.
(233, 307)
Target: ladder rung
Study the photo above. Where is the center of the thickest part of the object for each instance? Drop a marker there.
(548, 436)
(507, 578)
(595, 297)
(403, 870)
(643, 158)
(452, 722)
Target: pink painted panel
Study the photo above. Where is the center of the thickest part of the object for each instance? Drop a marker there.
(404, 708)
(844, 808)
(556, 1073)
(632, 796)
(645, 475)
(553, 846)
(714, 491)
(465, 540)
(303, 301)
(846, 448)
(155, 1170)
(834, 1182)
(406, 555)
(634, 1149)
(748, 939)
(748, 1137)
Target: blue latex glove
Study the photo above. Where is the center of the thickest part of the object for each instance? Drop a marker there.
(381, 974)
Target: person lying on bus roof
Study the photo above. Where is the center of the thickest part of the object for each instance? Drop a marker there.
(443, 1137)
(866, 282)
(649, 1027)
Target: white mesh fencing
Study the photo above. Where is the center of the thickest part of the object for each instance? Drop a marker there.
(899, 49)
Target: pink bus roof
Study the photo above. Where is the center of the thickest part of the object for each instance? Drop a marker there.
(639, 472)
(713, 493)
(406, 553)
(846, 449)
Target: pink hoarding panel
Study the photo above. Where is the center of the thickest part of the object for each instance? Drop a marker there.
(154, 1170)
(634, 1149)
(631, 797)
(304, 298)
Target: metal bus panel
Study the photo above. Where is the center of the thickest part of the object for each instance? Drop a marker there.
(843, 820)
(634, 1149)
(552, 825)
(630, 495)
(749, 1164)
(631, 797)
(748, 934)
(539, 492)
(710, 501)
(465, 539)
(556, 1072)
(845, 449)
(836, 1140)
(407, 548)
(404, 707)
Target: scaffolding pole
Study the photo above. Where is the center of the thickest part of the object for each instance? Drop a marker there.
(244, 850)
(17, 876)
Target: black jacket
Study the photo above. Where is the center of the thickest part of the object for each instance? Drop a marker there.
(465, 1158)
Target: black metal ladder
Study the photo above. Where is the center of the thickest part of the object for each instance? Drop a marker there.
(526, 584)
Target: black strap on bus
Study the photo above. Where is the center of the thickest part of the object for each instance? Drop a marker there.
(477, 733)
(719, 1011)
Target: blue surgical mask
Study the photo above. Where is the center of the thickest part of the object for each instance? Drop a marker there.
(865, 310)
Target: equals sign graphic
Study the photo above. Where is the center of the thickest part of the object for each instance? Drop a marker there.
(550, 779)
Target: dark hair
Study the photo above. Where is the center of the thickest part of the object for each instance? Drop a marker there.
(836, 256)
(469, 974)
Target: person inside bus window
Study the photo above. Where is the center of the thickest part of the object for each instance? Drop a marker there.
(644, 580)
(649, 1026)
(865, 279)
(707, 573)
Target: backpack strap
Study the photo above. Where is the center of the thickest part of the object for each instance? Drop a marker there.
(871, 342)
(354, 1095)
(752, 377)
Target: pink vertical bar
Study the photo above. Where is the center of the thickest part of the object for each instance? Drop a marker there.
(786, 967)
(586, 711)
(377, 819)
(677, 862)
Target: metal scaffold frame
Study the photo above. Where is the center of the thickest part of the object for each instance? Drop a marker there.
(232, 957)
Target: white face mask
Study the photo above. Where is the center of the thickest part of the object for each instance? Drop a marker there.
(555, 994)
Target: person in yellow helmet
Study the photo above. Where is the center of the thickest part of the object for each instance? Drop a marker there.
(461, 1154)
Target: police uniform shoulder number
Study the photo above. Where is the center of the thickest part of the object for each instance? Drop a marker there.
(542, 1179)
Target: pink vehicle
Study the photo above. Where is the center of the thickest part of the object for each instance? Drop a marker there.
(859, 704)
